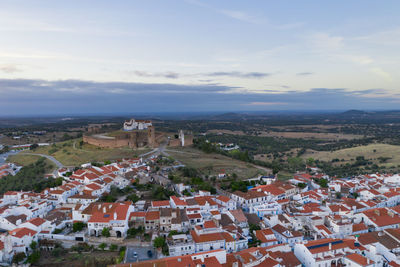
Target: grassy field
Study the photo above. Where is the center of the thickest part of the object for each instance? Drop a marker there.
(70, 153)
(371, 152)
(24, 160)
(312, 135)
(212, 164)
(95, 258)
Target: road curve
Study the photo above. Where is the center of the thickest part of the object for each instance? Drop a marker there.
(59, 164)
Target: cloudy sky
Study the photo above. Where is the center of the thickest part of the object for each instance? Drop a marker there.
(83, 56)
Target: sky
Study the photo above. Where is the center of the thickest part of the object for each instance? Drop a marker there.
(84, 56)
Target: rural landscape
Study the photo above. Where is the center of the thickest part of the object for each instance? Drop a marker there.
(199, 133)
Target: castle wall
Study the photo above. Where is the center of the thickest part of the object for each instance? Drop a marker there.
(106, 143)
(177, 142)
(133, 139)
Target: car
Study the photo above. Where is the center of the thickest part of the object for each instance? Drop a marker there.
(135, 254)
(150, 253)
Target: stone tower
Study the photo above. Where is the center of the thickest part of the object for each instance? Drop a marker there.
(151, 136)
(182, 137)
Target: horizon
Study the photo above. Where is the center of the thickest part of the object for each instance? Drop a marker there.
(193, 114)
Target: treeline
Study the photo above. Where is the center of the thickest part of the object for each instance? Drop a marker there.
(266, 145)
(30, 178)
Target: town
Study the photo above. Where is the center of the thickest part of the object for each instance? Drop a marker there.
(309, 220)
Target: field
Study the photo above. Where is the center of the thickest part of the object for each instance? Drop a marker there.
(95, 258)
(312, 135)
(212, 164)
(24, 160)
(370, 152)
(70, 153)
(320, 132)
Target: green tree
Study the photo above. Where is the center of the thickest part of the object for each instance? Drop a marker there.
(113, 247)
(34, 257)
(296, 163)
(33, 245)
(133, 197)
(310, 162)
(33, 146)
(323, 183)
(78, 226)
(105, 232)
(159, 242)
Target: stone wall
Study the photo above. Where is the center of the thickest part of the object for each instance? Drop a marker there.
(132, 139)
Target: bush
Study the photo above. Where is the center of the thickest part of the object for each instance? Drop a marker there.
(102, 246)
(56, 252)
(18, 257)
(113, 247)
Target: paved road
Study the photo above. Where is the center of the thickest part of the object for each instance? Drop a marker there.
(3, 157)
(59, 164)
(141, 254)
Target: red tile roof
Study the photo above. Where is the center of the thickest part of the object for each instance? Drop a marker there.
(361, 260)
(21, 232)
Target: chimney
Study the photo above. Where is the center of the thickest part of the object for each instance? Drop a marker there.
(330, 246)
(115, 215)
(104, 209)
(368, 261)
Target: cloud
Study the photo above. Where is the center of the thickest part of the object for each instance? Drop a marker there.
(304, 73)
(242, 16)
(30, 97)
(9, 68)
(175, 75)
(325, 41)
(238, 74)
(265, 103)
(168, 74)
(381, 73)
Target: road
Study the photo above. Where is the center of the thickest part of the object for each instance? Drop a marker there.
(141, 254)
(59, 164)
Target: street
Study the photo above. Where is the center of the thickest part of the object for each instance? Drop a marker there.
(141, 254)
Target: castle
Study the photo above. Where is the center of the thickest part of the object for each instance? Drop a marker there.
(137, 133)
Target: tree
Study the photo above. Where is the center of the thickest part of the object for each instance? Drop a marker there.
(34, 257)
(296, 163)
(133, 197)
(301, 185)
(323, 183)
(33, 146)
(33, 245)
(105, 232)
(113, 247)
(254, 227)
(310, 162)
(78, 226)
(159, 242)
